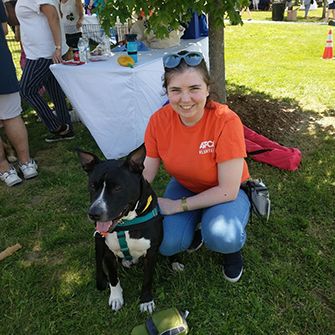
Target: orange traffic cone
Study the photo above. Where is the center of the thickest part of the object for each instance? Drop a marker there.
(328, 53)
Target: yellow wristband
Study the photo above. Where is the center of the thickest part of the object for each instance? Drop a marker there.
(184, 204)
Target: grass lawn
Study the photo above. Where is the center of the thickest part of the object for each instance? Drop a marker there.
(313, 15)
(288, 285)
(283, 61)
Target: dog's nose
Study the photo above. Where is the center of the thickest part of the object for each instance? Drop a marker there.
(95, 213)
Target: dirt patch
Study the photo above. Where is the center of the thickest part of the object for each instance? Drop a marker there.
(280, 120)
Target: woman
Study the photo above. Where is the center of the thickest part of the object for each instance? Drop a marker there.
(44, 43)
(10, 110)
(307, 6)
(201, 144)
(72, 19)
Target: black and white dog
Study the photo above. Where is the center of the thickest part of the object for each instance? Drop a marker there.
(128, 225)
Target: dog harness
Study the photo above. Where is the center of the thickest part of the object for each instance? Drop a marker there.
(121, 235)
(124, 224)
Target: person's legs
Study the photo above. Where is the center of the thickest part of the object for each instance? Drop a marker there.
(4, 165)
(178, 228)
(58, 98)
(17, 134)
(33, 76)
(223, 231)
(223, 225)
(8, 173)
(10, 108)
(307, 5)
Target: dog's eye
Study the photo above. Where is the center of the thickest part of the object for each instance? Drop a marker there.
(117, 188)
(92, 186)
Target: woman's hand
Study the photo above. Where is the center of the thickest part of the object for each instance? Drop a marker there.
(57, 56)
(168, 206)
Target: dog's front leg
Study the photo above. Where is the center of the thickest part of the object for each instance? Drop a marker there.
(100, 249)
(146, 298)
(116, 297)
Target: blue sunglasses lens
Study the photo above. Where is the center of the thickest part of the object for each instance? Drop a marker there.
(193, 58)
(173, 60)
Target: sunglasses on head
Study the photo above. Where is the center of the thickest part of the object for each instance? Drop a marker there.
(191, 58)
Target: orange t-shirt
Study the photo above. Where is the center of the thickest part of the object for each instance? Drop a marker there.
(191, 154)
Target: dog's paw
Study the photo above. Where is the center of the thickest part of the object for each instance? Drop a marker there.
(116, 304)
(148, 307)
(176, 266)
(127, 264)
(116, 298)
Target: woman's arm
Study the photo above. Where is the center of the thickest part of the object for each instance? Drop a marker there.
(54, 23)
(151, 167)
(10, 9)
(4, 27)
(229, 177)
(80, 10)
(90, 5)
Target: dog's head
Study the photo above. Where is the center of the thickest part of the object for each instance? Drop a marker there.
(114, 186)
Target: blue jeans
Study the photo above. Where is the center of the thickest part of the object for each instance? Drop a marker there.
(222, 226)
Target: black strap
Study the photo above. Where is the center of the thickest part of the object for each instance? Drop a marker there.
(258, 151)
(151, 328)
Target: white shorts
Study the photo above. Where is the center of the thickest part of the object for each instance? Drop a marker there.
(10, 105)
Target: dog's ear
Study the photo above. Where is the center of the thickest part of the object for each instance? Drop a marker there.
(135, 159)
(87, 160)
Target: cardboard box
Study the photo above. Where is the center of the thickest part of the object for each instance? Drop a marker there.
(292, 15)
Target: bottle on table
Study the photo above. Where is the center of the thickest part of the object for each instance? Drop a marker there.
(132, 46)
(83, 47)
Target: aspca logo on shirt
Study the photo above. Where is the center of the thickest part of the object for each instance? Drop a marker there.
(206, 147)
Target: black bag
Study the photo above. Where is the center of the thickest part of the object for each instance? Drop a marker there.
(259, 197)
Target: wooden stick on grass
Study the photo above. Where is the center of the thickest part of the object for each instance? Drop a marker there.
(10, 251)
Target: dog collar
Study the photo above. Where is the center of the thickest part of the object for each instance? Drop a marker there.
(139, 219)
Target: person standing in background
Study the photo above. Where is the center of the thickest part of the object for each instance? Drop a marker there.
(72, 20)
(44, 43)
(330, 9)
(307, 6)
(89, 5)
(10, 110)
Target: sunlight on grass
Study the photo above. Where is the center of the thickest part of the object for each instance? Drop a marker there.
(313, 15)
(282, 61)
(70, 281)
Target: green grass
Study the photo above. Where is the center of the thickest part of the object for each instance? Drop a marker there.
(284, 61)
(313, 15)
(288, 286)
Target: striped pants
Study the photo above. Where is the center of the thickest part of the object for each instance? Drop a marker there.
(36, 73)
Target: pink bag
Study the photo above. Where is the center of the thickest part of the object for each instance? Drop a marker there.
(263, 150)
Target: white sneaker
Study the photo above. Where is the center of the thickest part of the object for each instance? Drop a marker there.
(29, 169)
(10, 177)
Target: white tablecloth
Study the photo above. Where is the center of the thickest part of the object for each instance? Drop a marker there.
(90, 19)
(115, 102)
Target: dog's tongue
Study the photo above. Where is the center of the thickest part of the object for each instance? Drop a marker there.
(103, 227)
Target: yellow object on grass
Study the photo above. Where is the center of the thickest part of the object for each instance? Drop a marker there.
(126, 61)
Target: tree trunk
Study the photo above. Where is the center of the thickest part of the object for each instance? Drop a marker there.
(216, 61)
(324, 9)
